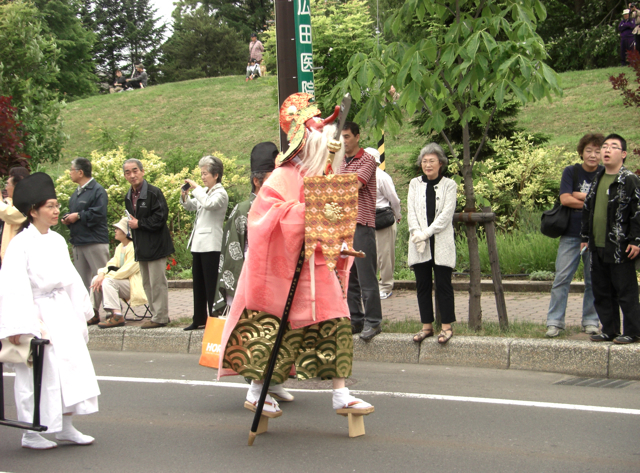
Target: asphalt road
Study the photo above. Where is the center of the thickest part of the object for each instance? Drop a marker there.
(428, 418)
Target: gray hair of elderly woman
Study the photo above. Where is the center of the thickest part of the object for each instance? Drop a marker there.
(434, 148)
(213, 166)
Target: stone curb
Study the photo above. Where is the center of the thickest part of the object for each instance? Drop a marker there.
(577, 358)
(458, 285)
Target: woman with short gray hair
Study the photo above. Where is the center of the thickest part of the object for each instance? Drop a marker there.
(431, 204)
(210, 204)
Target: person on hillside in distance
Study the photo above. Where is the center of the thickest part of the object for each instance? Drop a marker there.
(120, 83)
(139, 78)
(611, 233)
(255, 52)
(573, 192)
(253, 70)
(42, 295)
(627, 39)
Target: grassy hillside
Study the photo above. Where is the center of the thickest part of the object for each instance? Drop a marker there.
(223, 114)
(228, 115)
(589, 104)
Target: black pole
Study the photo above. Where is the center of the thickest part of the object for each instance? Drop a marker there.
(276, 347)
(287, 59)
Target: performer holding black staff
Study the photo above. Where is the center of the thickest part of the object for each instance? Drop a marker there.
(42, 294)
(318, 341)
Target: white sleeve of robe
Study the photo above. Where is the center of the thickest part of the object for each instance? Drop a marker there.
(18, 313)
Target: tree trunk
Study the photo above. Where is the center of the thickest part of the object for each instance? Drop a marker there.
(475, 288)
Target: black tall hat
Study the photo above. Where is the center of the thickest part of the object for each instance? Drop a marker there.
(36, 188)
(263, 157)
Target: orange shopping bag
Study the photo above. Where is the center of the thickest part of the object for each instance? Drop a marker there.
(211, 342)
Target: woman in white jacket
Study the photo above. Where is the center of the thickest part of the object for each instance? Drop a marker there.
(210, 204)
(431, 204)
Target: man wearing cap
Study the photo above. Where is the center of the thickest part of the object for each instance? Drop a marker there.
(255, 53)
(87, 221)
(627, 40)
(235, 241)
(363, 280)
(387, 215)
(139, 78)
(119, 279)
(148, 214)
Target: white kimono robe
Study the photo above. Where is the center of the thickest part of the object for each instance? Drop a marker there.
(42, 294)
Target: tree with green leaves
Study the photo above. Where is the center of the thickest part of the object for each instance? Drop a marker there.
(61, 20)
(339, 29)
(244, 16)
(28, 67)
(201, 46)
(128, 33)
(482, 52)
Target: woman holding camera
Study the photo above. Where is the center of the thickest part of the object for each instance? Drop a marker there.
(210, 204)
(432, 248)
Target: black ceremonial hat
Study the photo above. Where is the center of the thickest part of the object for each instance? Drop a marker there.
(31, 190)
(263, 157)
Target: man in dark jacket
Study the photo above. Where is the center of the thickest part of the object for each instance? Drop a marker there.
(611, 231)
(87, 222)
(139, 79)
(148, 214)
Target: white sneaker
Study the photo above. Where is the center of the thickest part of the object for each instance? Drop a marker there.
(385, 295)
(343, 400)
(36, 441)
(279, 393)
(75, 436)
(552, 331)
(591, 329)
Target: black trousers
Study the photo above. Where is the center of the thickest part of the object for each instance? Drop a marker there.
(615, 287)
(363, 280)
(205, 276)
(444, 291)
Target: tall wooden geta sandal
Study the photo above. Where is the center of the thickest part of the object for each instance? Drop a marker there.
(356, 419)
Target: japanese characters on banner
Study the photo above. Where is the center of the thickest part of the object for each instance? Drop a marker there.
(304, 52)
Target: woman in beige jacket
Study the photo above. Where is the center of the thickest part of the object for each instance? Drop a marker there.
(11, 216)
(120, 279)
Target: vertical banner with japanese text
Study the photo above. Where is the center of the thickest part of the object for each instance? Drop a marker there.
(304, 52)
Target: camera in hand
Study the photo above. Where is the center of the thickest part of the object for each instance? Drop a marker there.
(186, 187)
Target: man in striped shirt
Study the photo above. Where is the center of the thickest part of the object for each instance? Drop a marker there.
(363, 282)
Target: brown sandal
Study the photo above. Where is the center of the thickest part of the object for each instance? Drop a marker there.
(115, 321)
(443, 337)
(422, 334)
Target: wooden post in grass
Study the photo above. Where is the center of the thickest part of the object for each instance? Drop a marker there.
(286, 56)
(487, 218)
(496, 275)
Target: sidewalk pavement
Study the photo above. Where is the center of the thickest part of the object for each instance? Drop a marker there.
(403, 305)
(577, 357)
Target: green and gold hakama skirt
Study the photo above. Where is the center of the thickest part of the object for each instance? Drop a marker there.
(322, 350)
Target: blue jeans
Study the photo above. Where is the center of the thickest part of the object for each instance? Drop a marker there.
(567, 263)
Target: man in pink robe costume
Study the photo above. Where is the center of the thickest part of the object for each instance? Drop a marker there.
(276, 229)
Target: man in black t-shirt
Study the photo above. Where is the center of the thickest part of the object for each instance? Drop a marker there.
(568, 258)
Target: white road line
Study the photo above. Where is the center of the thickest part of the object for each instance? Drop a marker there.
(436, 397)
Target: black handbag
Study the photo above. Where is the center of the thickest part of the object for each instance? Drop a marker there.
(556, 221)
(385, 218)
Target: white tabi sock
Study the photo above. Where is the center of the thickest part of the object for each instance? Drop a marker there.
(71, 434)
(36, 441)
(342, 400)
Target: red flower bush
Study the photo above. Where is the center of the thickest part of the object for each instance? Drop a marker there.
(12, 135)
